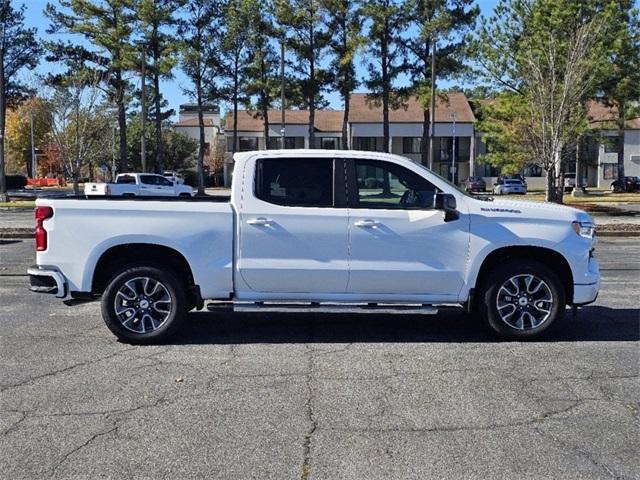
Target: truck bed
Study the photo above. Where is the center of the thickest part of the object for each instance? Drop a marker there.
(200, 229)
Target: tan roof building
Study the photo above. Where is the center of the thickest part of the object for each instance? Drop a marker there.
(364, 110)
(603, 116)
(251, 121)
(361, 110)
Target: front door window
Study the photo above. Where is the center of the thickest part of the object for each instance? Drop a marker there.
(389, 186)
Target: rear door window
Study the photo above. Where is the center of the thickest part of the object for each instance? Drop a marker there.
(295, 182)
(149, 179)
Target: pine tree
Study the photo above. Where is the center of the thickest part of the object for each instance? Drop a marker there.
(107, 26)
(19, 49)
(235, 57)
(344, 21)
(156, 20)
(442, 23)
(200, 50)
(306, 37)
(262, 70)
(384, 66)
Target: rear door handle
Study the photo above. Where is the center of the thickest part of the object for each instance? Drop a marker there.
(260, 221)
(367, 223)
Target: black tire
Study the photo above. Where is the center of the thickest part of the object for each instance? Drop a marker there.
(184, 195)
(160, 320)
(534, 304)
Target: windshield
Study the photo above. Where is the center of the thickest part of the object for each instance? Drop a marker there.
(449, 182)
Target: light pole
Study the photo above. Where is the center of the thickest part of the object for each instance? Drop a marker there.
(432, 106)
(282, 85)
(453, 155)
(143, 113)
(34, 162)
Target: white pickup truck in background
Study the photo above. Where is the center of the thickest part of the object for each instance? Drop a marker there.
(317, 230)
(139, 184)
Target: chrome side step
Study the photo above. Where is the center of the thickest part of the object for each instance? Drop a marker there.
(381, 308)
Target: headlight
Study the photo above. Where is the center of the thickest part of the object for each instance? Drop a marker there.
(584, 229)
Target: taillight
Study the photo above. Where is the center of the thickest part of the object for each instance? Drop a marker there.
(42, 213)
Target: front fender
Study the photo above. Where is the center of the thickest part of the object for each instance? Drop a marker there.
(489, 235)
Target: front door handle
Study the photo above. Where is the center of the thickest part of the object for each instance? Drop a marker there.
(367, 223)
(260, 221)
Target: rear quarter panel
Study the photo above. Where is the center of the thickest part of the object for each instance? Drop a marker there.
(82, 230)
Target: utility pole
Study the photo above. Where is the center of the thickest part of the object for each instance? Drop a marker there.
(143, 119)
(432, 107)
(34, 164)
(282, 99)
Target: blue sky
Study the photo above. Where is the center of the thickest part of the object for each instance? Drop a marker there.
(174, 90)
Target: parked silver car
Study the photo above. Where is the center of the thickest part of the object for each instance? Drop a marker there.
(508, 187)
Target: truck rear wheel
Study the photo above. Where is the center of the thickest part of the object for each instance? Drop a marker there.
(144, 305)
(522, 299)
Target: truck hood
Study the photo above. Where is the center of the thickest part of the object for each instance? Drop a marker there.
(543, 211)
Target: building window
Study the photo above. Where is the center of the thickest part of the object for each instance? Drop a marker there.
(532, 171)
(611, 144)
(411, 144)
(463, 149)
(289, 142)
(328, 143)
(369, 144)
(609, 171)
(246, 144)
(487, 170)
(443, 149)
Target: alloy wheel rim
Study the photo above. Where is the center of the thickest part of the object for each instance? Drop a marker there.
(524, 302)
(143, 304)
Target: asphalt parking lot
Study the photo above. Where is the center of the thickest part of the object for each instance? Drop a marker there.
(320, 397)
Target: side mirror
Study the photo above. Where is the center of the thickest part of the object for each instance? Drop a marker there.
(447, 203)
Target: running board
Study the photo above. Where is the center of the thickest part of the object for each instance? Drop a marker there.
(382, 308)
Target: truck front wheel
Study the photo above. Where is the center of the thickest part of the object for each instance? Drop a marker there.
(144, 305)
(522, 299)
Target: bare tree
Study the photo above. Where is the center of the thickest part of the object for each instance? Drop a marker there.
(550, 56)
(79, 126)
(557, 81)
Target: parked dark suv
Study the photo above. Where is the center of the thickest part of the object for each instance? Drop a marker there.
(631, 184)
(475, 184)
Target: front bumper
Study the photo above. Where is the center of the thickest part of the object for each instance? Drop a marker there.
(45, 280)
(585, 293)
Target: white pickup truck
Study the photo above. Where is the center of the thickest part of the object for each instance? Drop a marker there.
(139, 184)
(316, 230)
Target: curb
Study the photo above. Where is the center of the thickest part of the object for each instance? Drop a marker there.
(620, 233)
(16, 233)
